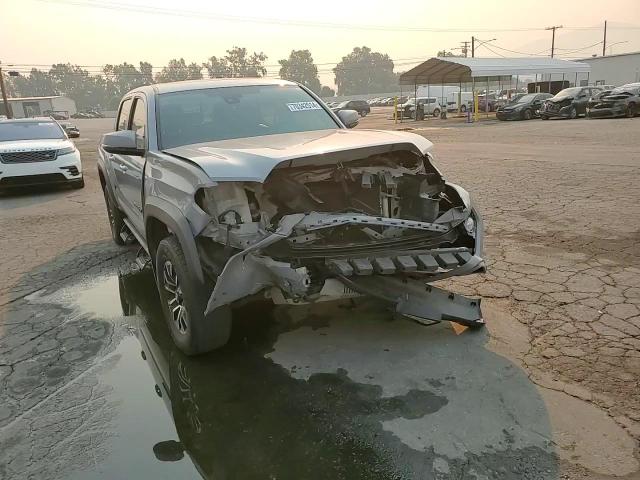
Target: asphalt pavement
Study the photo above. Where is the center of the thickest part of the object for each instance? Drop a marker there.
(92, 387)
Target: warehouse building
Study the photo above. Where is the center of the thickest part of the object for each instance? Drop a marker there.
(614, 69)
(38, 106)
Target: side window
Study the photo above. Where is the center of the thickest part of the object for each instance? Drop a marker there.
(139, 122)
(123, 117)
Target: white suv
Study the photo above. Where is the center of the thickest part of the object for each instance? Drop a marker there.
(37, 151)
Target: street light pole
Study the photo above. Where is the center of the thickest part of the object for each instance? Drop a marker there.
(473, 47)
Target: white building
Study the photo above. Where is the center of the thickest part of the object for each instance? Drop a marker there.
(37, 106)
(614, 69)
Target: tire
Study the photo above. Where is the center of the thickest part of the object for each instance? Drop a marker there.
(544, 117)
(573, 114)
(184, 301)
(631, 110)
(436, 112)
(363, 114)
(116, 222)
(463, 109)
(527, 115)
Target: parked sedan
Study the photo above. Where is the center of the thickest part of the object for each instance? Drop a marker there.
(619, 102)
(522, 108)
(568, 103)
(360, 106)
(71, 130)
(482, 102)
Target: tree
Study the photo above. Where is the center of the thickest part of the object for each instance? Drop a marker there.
(76, 83)
(37, 83)
(125, 77)
(364, 71)
(299, 67)
(327, 91)
(178, 70)
(236, 63)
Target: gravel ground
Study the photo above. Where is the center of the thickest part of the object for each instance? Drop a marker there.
(562, 298)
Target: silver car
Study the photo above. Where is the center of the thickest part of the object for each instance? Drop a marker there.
(238, 188)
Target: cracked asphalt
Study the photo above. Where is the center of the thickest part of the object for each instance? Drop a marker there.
(548, 391)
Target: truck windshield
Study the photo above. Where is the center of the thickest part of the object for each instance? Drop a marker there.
(209, 115)
(30, 131)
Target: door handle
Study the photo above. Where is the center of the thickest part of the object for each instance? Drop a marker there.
(123, 167)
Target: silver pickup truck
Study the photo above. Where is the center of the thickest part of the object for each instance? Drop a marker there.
(245, 187)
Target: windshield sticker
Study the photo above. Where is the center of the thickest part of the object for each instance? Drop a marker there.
(302, 106)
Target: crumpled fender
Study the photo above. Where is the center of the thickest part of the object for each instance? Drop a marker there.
(243, 275)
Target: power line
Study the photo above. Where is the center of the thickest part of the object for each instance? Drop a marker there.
(493, 51)
(568, 51)
(111, 5)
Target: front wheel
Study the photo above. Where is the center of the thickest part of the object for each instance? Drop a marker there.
(463, 109)
(363, 114)
(631, 110)
(436, 112)
(526, 115)
(573, 113)
(116, 222)
(184, 301)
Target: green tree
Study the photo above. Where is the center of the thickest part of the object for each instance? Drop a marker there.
(146, 70)
(364, 71)
(76, 83)
(327, 91)
(36, 84)
(299, 67)
(236, 63)
(124, 77)
(178, 70)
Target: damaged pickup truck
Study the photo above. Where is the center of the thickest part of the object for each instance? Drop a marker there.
(240, 188)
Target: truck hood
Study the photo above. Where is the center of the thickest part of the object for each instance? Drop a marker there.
(252, 159)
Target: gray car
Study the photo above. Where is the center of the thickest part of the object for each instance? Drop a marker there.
(246, 188)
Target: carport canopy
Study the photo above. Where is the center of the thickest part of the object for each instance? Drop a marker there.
(450, 70)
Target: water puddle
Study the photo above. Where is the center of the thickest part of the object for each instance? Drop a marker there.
(314, 393)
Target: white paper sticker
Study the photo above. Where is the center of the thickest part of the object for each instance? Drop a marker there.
(302, 106)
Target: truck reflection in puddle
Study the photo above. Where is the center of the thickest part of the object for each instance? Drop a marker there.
(240, 414)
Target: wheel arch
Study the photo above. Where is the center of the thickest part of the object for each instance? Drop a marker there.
(163, 219)
(106, 185)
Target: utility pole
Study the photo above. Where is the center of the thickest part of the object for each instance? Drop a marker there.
(553, 37)
(604, 41)
(473, 47)
(465, 48)
(7, 107)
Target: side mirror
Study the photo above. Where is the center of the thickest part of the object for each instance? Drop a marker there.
(122, 142)
(349, 118)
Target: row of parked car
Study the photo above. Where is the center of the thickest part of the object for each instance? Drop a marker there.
(590, 101)
(90, 113)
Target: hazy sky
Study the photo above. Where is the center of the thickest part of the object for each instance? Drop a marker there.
(48, 31)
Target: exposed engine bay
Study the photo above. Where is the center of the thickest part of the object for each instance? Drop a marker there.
(369, 225)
